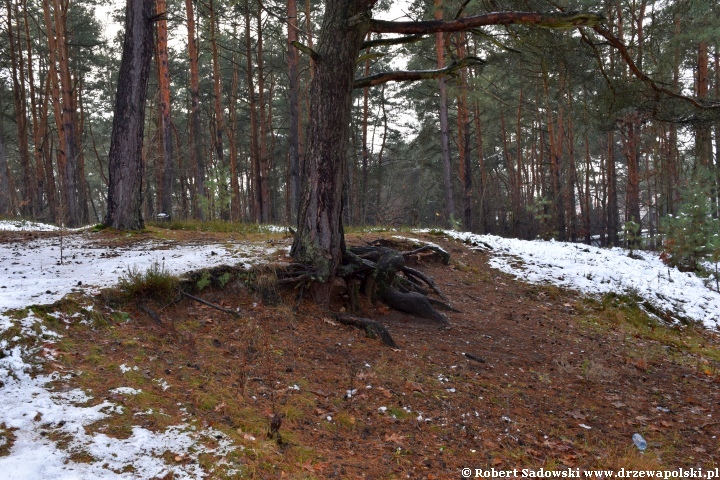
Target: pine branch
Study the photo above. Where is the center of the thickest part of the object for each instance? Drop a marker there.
(547, 20)
(391, 41)
(409, 76)
(307, 50)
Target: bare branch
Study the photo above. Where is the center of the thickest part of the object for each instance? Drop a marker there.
(368, 56)
(547, 20)
(391, 41)
(620, 46)
(307, 50)
(409, 76)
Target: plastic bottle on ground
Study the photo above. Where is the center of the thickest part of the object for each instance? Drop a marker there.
(639, 442)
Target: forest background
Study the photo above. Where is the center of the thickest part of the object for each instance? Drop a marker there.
(550, 133)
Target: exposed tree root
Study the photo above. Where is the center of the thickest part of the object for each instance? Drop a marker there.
(210, 304)
(150, 312)
(372, 328)
(380, 272)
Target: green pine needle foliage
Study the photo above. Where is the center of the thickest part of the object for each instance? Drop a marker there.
(693, 234)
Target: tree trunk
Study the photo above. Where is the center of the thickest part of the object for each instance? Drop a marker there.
(319, 239)
(293, 188)
(631, 141)
(703, 137)
(612, 204)
(217, 91)
(126, 144)
(38, 123)
(68, 168)
(5, 192)
(482, 190)
(235, 208)
(18, 78)
(464, 138)
(363, 200)
(444, 124)
(165, 125)
(255, 166)
(264, 160)
(195, 138)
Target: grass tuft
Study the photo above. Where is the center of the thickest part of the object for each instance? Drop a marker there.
(156, 282)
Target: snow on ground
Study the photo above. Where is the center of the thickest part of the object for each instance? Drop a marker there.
(25, 225)
(593, 270)
(33, 273)
(30, 409)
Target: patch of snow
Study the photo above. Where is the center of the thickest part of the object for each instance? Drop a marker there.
(124, 368)
(28, 226)
(33, 272)
(30, 407)
(594, 270)
(163, 383)
(125, 391)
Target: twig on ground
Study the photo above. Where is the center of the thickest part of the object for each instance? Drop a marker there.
(473, 357)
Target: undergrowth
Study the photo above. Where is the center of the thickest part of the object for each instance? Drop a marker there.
(156, 282)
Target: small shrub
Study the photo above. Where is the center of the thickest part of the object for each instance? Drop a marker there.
(156, 282)
(204, 281)
(692, 234)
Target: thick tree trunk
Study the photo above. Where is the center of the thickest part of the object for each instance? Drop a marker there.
(319, 239)
(126, 144)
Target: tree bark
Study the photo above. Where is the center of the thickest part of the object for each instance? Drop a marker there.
(219, 123)
(168, 171)
(68, 168)
(195, 146)
(126, 144)
(293, 187)
(319, 239)
(18, 78)
(235, 203)
(264, 160)
(464, 138)
(255, 166)
(444, 124)
(5, 192)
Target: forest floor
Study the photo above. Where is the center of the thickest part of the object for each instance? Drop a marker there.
(553, 380)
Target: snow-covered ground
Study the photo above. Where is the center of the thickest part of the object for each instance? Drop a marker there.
(593, 270)
(32, 273)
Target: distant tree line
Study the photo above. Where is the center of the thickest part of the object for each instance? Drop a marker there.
(552, 132)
